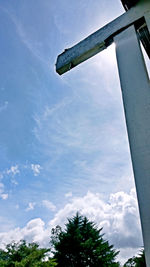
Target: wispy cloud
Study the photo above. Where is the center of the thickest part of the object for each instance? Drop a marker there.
(76, 127)
(3, 195)
(13, 170)
(75, 130)
(29, 43)
(36, 168)
(4, 106)
(49, 205)
(31, 206)
(68, 195)
(91, 119)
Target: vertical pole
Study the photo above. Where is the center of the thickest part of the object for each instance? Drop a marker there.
(136, 99)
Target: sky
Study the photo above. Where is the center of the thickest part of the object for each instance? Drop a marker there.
(63, 139)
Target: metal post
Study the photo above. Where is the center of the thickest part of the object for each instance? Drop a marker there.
(136, 98)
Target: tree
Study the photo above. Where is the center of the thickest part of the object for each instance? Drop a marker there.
(82, 245)
(22, 254)
(138, 261)
(130, 263)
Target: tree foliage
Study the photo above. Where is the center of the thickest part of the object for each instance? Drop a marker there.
(138, 261)
(24, 255)
(82, 245)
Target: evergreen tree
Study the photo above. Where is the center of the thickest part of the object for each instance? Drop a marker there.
(138, 261)
(82, 245)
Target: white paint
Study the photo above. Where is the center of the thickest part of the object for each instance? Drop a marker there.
(136, 98)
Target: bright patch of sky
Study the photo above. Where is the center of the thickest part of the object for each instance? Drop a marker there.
(63, 140)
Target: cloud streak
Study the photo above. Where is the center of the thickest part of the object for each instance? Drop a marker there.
(48, 205)
(31, 45)
(31, 206)
(95, 145)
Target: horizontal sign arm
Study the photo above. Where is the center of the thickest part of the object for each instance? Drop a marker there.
(99, 40)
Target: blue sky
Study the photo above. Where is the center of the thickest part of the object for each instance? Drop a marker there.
(63, 141)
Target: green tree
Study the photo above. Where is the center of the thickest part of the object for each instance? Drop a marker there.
(138, 261)
(82, 245)
(130, 262)
(24, 255)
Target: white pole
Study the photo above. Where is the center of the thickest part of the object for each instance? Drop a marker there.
(136, 98)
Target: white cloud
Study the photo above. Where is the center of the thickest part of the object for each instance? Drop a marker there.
(13, 170)
(3, 195)
(69, 194)
(118, 216)
(49, 205)
(34, 231)
(31, 206)
(36, 168)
